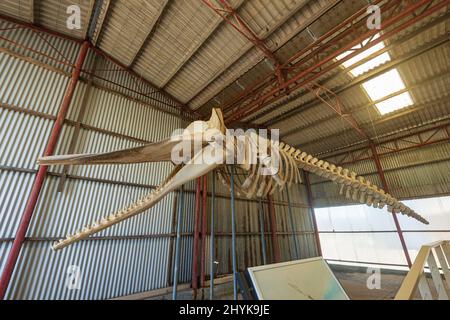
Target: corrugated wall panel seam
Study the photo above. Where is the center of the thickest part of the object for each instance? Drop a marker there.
(41, 273)
(32, 97)
(28, 38)
(99, 279)
(155, 104)
(281, 202)
(38, 89)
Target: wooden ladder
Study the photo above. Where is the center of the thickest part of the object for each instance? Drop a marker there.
(437, 256)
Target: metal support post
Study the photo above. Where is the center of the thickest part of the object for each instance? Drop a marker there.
(178, 244)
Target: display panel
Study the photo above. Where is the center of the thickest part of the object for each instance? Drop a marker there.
(309, 279)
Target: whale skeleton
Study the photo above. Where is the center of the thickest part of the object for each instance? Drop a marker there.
(256, 183)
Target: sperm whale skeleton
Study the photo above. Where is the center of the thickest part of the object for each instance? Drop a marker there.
(268, 163)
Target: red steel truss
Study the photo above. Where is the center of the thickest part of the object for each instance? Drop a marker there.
(313, 50)
(65, 61)
(226, 11)
(266, 92)
(333, 101)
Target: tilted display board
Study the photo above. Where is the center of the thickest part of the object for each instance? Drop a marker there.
(309, 279)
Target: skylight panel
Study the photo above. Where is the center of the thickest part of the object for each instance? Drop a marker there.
(371, 64)
(383, 85)
(395, 103)
(389, 83)
(380, 59)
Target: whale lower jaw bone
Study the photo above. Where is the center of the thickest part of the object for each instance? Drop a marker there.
(352, 185)
(180, 175)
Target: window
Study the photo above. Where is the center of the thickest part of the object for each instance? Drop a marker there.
(381, 89)
(358, 233)
(384, 85)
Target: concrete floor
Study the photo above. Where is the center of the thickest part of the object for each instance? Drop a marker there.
(352, 278)
(354, 282)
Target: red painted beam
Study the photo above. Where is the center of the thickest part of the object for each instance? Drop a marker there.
(196, 237)
(313, 214)
(273, 226)
(99, 52)
(394, 215)
(40, 176)
(228, 14)
(296, 82)
(204, 230)
(106, 56)
(442, 127)
(275, 93)
(27, 48)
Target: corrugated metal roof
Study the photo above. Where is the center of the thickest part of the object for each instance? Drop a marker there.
(226, 45)
(53, 14)
(185, 48)
(126, 27)
(182, 30)
(18, 9)
(244, 69)
(426, 75)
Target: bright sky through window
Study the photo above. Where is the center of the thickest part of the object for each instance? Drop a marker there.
(395, 103)
(383, 85)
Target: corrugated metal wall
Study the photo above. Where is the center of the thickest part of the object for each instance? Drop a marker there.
(248, 241)
(415, 166)
(412, 173)
(108, 112)
(326, 193)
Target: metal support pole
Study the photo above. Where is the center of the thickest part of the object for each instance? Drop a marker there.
(233, 238)
(204, 230)
(196, 238)
(273, 223)
(40, 176)
(377, 161)
(298, 80)
(313, 214)
(211, 244)
(261, 227)
(178, 244)
(291, 217)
